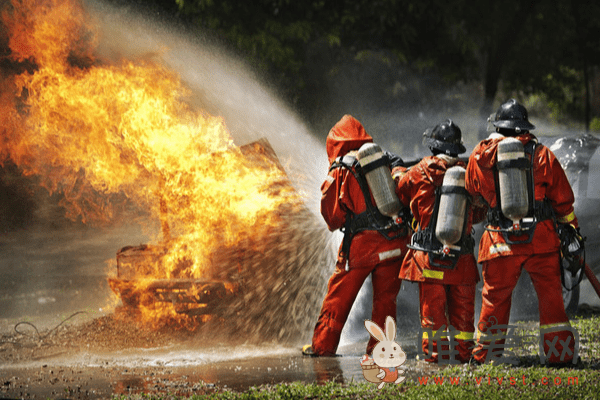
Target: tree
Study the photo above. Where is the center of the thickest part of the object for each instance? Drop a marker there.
(532, 47)
(556, 59)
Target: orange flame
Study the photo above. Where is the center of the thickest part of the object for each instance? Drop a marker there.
(107, 136)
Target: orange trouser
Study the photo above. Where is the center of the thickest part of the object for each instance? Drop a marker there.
(342, 290)
(441, 306)
(500, 276)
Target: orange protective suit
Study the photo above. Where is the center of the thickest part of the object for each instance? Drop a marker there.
(503, 262)
(370, 252)
(447, 296)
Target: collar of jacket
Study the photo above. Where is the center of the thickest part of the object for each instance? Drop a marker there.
(449, 159)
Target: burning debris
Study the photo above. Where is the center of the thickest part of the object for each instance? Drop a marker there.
(119, 142)
(270, 281)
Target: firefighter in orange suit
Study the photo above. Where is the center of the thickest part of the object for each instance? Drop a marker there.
(447, 281)
(507, 246)
(367, 248)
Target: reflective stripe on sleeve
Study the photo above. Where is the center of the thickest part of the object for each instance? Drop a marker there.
(567, 218)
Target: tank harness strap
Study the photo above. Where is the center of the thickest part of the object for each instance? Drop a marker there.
(543, 210)
(454, 189)
(530, 148)
(521, 163)
(371, 218)
(374, 165)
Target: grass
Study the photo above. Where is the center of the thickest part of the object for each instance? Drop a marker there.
(529, 380)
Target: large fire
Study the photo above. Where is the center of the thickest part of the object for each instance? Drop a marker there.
(112, 136)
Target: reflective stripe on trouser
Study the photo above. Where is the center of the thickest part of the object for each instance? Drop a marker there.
(342, 290)
(554, 342)
(447, 305)
(500, 276)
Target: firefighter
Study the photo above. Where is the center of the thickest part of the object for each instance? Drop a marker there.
(526, 191)
(446, 272)
(373, 243)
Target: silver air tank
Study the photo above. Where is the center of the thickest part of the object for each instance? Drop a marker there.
(514, 198)
(379, 180)
(452, 208)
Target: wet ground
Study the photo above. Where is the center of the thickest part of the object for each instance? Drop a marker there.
(106, 356)
(77, 381)
(62, 337)
(62, 333)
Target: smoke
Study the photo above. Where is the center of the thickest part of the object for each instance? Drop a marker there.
(395, 103)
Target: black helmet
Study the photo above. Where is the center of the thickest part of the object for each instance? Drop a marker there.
(445, 137)
(513, 116)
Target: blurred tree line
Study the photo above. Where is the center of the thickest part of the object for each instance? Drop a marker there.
(542, 49)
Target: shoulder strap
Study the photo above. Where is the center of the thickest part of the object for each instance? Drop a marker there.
(530, 148)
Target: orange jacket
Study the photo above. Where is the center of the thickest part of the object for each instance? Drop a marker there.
(416, 188)
(550, 182)
(341, 193)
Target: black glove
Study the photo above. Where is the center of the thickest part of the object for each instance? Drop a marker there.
(395, 160)
(570, 238)
(572, 260)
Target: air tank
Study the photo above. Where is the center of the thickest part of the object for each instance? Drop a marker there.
(452, 208)
(379, 179)
(514, 198)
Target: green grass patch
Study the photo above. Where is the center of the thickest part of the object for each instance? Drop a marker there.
(527, 380)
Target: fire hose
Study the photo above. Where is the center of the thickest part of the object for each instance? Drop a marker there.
(592, 278)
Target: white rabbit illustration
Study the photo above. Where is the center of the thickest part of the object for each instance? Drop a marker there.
(387, 354)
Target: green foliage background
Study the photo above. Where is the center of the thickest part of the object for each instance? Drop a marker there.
(544, 48)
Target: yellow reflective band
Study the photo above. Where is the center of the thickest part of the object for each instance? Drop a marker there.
(426, 334)
(567, 218)
(429, 273)
(461, 335)
(465, 335)
(489, 337)
(566, 325)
